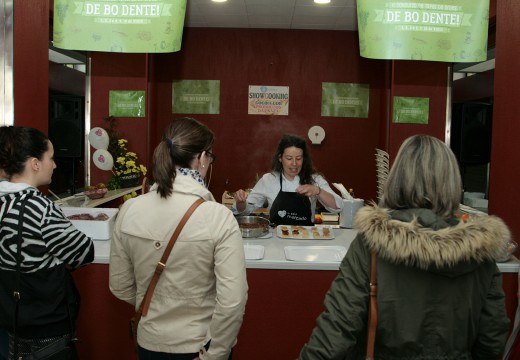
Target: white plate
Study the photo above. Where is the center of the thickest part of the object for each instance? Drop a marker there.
(315, 253)
(254, 252)
(316, 232)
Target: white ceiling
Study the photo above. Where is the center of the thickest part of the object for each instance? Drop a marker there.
(274, 14)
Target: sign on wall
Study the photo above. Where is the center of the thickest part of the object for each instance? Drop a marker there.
(344, 100)
(438, 30)
(196, 97)
(268, 100)
(412, 110)
(128, 26)
(127, 103)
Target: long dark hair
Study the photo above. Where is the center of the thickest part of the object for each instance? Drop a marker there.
(183, 140)
(288, 141)
(17, 145)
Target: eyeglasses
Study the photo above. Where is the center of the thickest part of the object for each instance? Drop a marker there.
(212, 157)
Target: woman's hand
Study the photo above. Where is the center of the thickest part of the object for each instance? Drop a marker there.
(240, 199)
(308, 190)
(241, 196)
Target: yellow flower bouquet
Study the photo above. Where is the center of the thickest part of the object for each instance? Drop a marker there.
(126, 170)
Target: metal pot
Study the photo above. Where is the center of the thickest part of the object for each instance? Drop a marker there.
(253, 226)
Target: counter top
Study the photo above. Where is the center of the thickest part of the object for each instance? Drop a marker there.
(80, 200)
(274, 254)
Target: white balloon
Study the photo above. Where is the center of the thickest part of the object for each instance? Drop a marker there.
(98, 138)
(103, 159)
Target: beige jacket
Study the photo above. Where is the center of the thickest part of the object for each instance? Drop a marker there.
(202, 292)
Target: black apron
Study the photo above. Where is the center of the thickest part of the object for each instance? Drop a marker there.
(291, 208)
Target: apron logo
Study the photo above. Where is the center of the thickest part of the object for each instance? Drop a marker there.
(282, 213)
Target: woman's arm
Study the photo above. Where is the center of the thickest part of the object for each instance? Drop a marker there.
(122, 281)
(231, 286)
(323, 193)
(493, 324)
(62, 239)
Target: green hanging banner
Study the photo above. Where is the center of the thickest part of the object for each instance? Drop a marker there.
(127, 26)
(436, 30)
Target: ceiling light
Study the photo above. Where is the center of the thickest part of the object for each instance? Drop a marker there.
(322, 1)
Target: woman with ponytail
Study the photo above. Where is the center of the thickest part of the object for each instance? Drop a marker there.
(198, 304)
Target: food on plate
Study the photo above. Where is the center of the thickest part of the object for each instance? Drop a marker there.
(84, 216)
(96, 191)
(318, 219)
(305, 232)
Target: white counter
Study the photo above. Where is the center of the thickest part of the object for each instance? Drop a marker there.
(274, 255)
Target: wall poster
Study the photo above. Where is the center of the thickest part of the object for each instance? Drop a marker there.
(268, 100)
(196, 97)
(344, 100)
(127, 103)
(411, 110)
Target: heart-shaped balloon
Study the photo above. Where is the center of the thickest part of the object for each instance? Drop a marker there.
(98, 138)
(103, 159)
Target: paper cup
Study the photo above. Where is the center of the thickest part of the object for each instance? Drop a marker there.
(350, 207)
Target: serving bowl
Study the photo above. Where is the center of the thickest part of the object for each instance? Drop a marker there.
(253, 226)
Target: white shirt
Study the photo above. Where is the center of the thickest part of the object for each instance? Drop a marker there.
(268, 187)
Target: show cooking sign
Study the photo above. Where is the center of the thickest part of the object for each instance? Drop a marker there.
(268, 100)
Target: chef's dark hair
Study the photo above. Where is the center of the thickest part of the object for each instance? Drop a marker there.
(288, 141)
(17, 145)
(183, 141)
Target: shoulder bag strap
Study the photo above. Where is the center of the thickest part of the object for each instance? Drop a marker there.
(162, 263)
(372, 315)
(16, 292)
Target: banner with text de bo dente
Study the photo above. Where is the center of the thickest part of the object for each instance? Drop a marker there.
(126, 26)
(435, 30)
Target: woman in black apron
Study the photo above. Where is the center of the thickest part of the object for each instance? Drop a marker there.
(291, 189)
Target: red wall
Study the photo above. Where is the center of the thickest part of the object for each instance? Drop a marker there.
(419, 79)
(299, 59)
(31, 59)
(114, 71)
(505, 170)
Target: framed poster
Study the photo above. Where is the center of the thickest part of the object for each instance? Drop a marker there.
(127, 103)
(411, 110)
(196, 97)
(344, 100)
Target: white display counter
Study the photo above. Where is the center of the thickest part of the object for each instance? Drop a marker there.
(274, 252)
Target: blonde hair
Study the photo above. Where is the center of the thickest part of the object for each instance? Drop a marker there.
(425, 174)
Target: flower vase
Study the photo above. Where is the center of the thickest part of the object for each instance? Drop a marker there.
(129, 180)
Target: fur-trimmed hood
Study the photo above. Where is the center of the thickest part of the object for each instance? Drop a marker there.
(418, 237)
